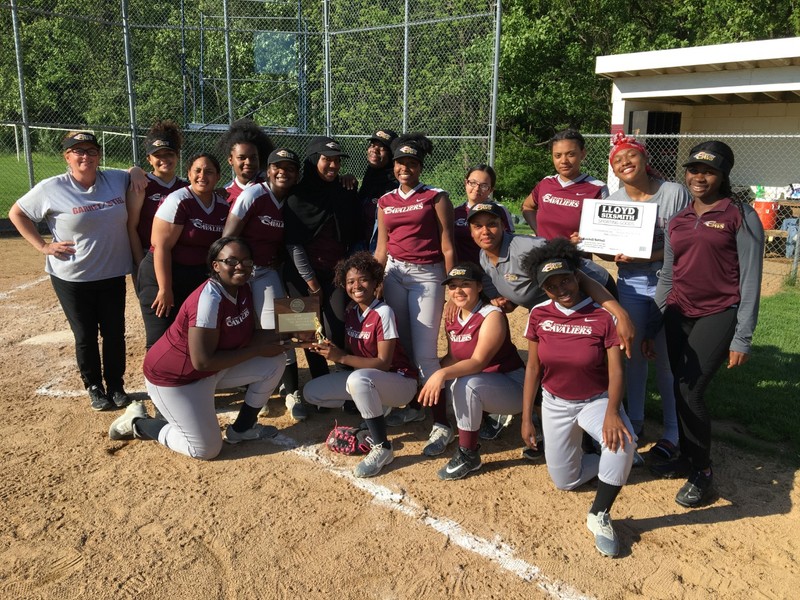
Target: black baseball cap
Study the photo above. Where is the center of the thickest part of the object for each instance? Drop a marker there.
(383, 137)
(325, 146)
(283, 155)
(713, 153)
(80, 137)
(485, 207)
(404, 150)
(468, 271)
(160, 144)
(553, 266)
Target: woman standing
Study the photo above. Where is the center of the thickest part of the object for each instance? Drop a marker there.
(382, 375)
(257, 216)
(569, 334)
(163, 146)
(247, 148)
(213, 344)
(479, 185)
(87, 259)
(709, 292)
(322, 224)
(481, 370)
(636, 283)
(553, 208)
(185, 225)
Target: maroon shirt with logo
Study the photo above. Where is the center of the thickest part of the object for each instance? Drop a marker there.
(412, 225)
(559, 204)
(154, 195)
(463, 338)
(202, 226)
(466, 248)
(262, 215)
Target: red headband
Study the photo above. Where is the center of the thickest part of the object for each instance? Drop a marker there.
(621, 141)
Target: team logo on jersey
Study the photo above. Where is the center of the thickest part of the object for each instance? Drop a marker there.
(359, 335)
(569, 202)
(155, 197)
(550, 325)
(200, 224)
(461, 222)
(714, 224)
(552, 266)
(269, 221)
(390, 210)
(239, 319)
(460, 338)
(511, 277)
(408, 150)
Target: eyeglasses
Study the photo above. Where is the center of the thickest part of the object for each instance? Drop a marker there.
(85, 151)
(247, 263)
(484, 187)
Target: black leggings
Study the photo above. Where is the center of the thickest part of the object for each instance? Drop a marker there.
(697, 349)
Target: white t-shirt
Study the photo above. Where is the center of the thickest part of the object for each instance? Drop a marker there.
(95, 219)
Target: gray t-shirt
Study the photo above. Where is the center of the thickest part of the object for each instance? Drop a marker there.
(671, 198)
(95, 219)
(509, 280)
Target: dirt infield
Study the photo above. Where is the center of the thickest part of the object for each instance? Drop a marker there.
(85, 517)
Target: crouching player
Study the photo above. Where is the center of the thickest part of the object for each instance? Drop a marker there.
(574, 354)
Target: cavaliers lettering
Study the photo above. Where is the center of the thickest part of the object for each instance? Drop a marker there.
(570, 202)
(239, 319)
(549, 325)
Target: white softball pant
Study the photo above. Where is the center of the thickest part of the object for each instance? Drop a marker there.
(370, 389)
(416, 294)
(266, 285)
(499, 393)
(563, 423)
(192, 427)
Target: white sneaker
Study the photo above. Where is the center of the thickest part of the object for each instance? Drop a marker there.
(373, 462)
(297, 409)
(605, 538)
(256, 432)
(440, 437)
(122, 427)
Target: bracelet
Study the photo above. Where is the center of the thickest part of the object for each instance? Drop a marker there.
(315, 292)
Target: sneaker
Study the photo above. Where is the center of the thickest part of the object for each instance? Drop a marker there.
(605, 539)
(256, 432)
(99, 400)
(122, 427)
(462, 464)
(296, 407)
(664, 450)
(440, 437)
(531, 454)
(408, 414)
(119, 398)
(696, 491)
(264, 412)
(672, 469)
(373, 462)
(638, 459)
(493, 426)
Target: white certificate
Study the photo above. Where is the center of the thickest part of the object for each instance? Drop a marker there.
(618, 227)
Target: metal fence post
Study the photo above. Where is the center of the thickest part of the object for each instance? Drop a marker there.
(495, 79)
(405, 68)
(327, 58)
(26, 134)
(126, 34)
(231, 116)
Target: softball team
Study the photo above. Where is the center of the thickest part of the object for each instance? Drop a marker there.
(415, 243)
(569, 334)
(709, 292)
(636, 283)
(382, 375)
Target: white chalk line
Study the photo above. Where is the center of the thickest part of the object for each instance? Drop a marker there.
(24, 286)
(496, 551)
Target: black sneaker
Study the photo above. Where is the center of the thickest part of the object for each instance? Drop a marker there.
(462, 464)
(99, 400)
(672, 469)
(531, 454)
(119, 398)
(696, 491)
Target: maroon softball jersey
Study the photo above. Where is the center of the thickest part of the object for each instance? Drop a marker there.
(262, 215)
(705, 270)
(559, 204)
(573, 345)
(168, 362)
(201, 226)
(412, 225)
(235, 188)
(154, 194)
(376, 324)
(463, 338)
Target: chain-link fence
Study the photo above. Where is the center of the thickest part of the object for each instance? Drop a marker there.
(766, 175)
(298, 69)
